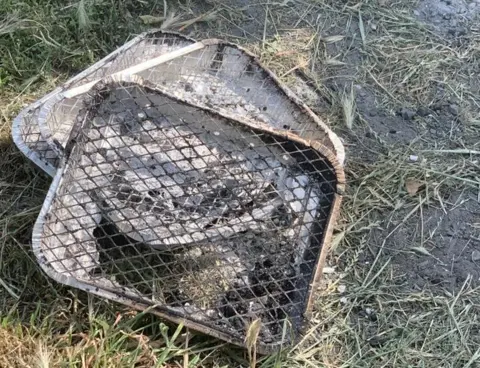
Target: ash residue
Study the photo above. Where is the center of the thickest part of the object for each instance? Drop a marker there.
(225, 285)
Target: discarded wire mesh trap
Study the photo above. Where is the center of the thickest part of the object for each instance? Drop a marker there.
(212, 74)
(209, 219)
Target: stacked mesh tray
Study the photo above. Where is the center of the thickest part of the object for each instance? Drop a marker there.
(186, 179)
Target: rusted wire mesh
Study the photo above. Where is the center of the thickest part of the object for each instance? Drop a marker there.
(160, 201)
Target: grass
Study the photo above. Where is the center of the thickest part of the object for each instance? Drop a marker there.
(345, 59)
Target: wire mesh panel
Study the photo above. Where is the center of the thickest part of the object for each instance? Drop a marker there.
(218, 76)
(224, 77)
(214, 220)
(27, 134)
(27, 137)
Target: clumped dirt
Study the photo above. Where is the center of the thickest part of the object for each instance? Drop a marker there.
(440, 250)
(439, 121)
(391, 128)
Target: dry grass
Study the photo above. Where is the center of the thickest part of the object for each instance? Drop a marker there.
(348, 105)
(368, 313)
(20, 349)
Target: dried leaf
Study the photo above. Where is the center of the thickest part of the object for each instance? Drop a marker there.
(150, 19)
(333, 61)
(82, 16)
(251, 340)
(421, 250)
(333, 39)
(361, 27)
(252, 333)
(349, 107)
(413, 186)
(170, 21)
(337, 238)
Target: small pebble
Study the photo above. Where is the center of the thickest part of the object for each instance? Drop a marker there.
(211, 313)
(376, 341)
(453, 109)
(328, 270)
(291, 233)
(373, 26)
(343, 300)
(475, 256)
(423, 111)
(98, 121)
(416, 13)
(407, 114)
(413, 158)
(342, 288)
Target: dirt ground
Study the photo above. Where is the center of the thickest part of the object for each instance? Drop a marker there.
(417, 96)
(401, 287)
(433, 117)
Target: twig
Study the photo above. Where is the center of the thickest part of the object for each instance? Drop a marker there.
(465, 180)
(186, 355)
(9, 289)
(200, 18)
(458, 151)
(264, 38)
(361, 27)
(381, 86)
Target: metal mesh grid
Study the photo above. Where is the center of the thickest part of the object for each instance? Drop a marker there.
(221, 76)
(225, 78)
(32, 140)
(27, 136)
(168, 204)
